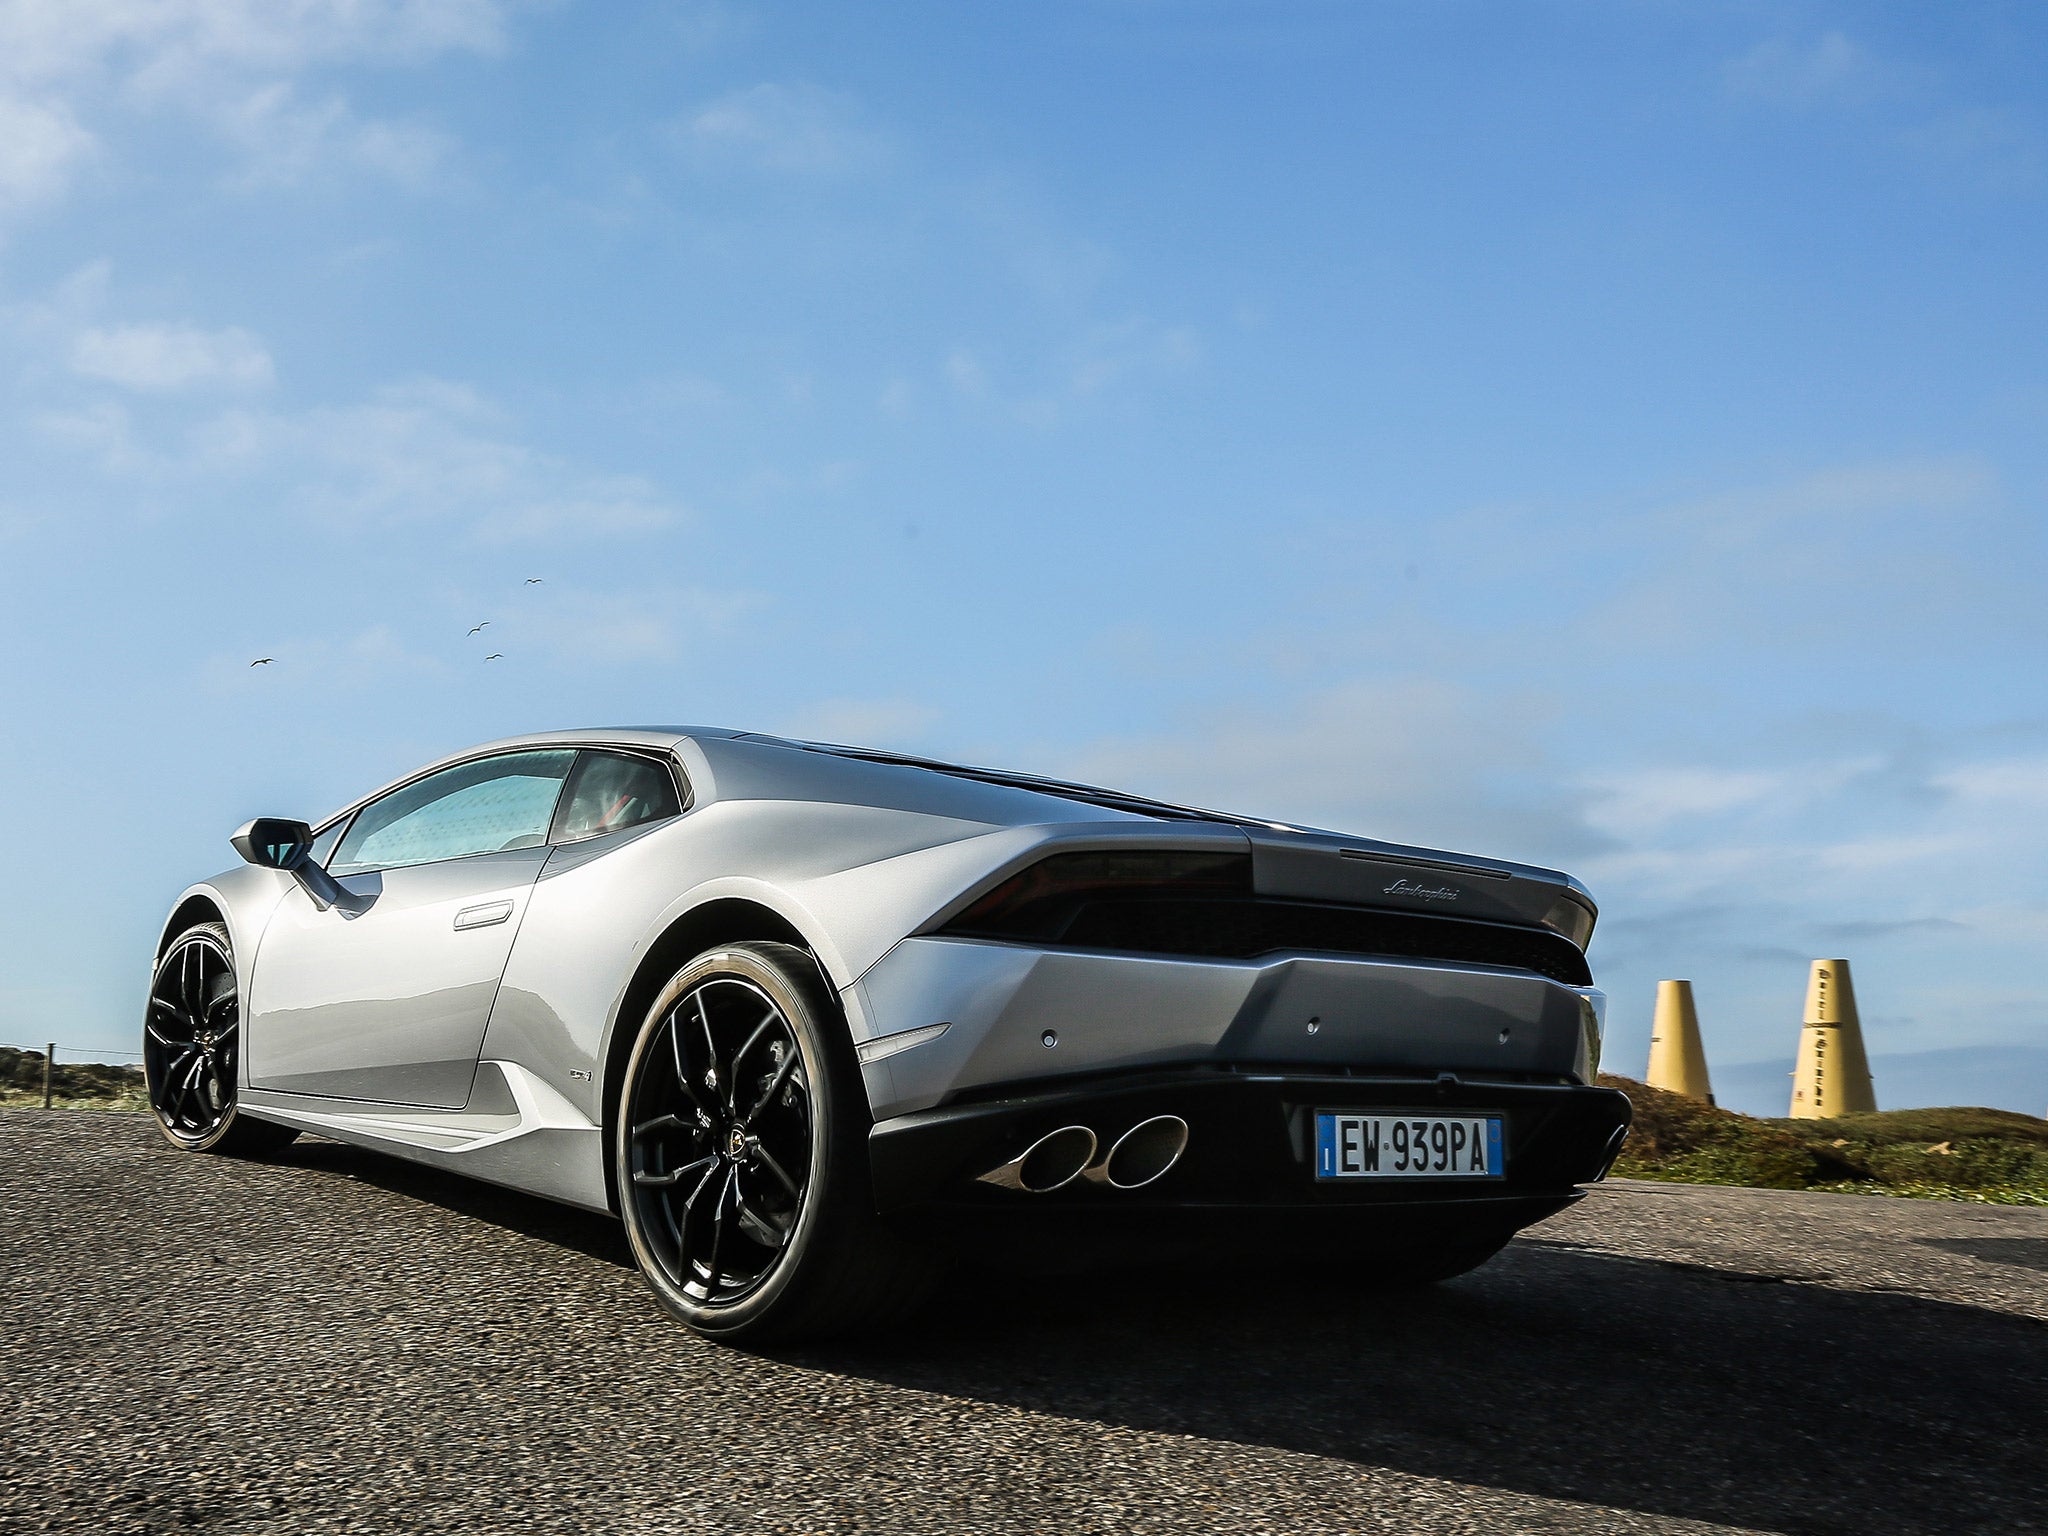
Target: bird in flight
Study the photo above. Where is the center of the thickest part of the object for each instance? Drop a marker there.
(533, 581)
(262, 661)
(481, 627)
(495, 656)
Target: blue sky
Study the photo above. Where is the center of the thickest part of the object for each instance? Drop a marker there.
(1604, 434)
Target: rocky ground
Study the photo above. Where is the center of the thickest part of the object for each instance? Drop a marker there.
(337, 1342)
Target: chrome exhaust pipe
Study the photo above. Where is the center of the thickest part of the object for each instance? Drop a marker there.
(1054, 1159)
(1147, 1151)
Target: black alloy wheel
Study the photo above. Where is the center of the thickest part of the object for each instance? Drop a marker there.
(192, 1047)
(741, 1156)
(721, 1138)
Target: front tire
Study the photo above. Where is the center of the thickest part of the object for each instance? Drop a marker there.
(741, 1155)
(192, 1050)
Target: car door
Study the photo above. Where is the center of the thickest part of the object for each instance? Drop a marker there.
(385, 994)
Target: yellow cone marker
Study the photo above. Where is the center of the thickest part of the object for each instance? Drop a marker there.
(1678, 1061)
(1833, 1075)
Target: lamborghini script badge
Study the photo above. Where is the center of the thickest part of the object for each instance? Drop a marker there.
(1424, 892)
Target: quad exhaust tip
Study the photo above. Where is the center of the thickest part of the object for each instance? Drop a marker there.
(1147, 1151)
(1056, 1158)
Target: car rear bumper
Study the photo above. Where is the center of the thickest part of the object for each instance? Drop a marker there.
(1249, 1152)
(939, 1019)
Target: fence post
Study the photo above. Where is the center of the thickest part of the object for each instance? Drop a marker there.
(49, 1056)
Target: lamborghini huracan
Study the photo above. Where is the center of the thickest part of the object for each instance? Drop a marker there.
(818, 1023)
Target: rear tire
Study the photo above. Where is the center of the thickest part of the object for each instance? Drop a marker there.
(742, 1160)
(192, 1050)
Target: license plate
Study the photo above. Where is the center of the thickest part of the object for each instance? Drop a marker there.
(1364, 1146)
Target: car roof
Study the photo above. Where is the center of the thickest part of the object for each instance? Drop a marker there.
(665, 738)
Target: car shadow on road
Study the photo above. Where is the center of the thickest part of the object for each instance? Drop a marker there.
(1663, 1388)
(585, 1232)
(1555, 1372)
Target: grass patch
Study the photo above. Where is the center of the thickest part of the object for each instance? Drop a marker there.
(1991, 1156)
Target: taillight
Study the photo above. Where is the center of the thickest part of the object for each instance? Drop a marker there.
(1042, 901)
(1570, 917)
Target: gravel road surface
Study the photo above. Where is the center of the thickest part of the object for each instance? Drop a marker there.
(335, 1341)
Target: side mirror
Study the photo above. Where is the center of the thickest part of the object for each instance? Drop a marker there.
(271, 842)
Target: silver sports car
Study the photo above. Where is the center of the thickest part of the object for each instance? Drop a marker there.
(812, 1020)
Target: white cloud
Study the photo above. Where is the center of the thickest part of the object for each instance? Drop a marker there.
(101, 430)
(40, 143)
(161, 43)
(1641, 803)
(792, 129)
(1107, 354)
(170, 357)
(966, 374)
(1658, 801)
(285, 141)
(665, 624)
(436, 451)
(1095, 360)
(70, 68)
(1406, 759)
(16, 524)
(596, 505)
(426, 451)
(1831, 68)
(2002, 787)
(1996, 150)
(1866, 550)
(370, 656)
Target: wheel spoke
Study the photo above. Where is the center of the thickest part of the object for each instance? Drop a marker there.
(774, 1018)
(717, 1236)
(206, 1088)
(663, 1123)
(181, 1105)
(190, 976)
(675, 1040)
(782, 1175)
(756, 1222)
(670, 1180)
(774, 1086)
(688, 1227)
(710, 1048)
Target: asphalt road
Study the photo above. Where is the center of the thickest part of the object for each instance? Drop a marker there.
(338, 1342)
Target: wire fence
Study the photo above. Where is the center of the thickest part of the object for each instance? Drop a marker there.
(83, 1054)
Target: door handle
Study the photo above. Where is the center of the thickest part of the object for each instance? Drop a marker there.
(483, 916)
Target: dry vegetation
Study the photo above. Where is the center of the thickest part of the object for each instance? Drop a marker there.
(1955, 1154)
(73, 1085)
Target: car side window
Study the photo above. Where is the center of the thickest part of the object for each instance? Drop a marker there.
(611, 791)
(488, 806)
